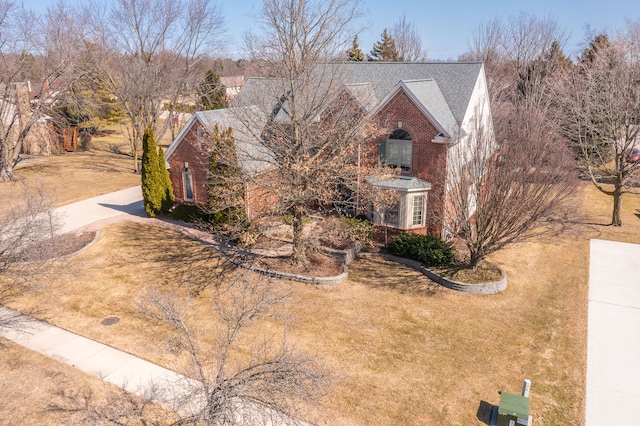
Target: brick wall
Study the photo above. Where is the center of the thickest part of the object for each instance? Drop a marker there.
(429, 160)
(257, 200)
(197, 156)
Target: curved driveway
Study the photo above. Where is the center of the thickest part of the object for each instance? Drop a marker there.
(86, 212)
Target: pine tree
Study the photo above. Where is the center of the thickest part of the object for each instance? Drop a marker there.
(168, 199)
(211, 92)
(600, 42)
(354, 54)
(157, 193)
(385, 50)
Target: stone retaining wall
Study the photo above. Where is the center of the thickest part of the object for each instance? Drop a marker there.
(483, 288)
(338, 279)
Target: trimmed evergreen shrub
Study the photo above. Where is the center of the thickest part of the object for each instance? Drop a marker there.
(428, 249)
(157, 192)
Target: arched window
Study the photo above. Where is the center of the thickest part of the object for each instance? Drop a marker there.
(399, 150)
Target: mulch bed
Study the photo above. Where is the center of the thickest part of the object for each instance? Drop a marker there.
(60, 246)
(318, 265)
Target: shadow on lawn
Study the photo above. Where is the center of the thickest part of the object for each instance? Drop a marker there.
(165, 256)
(484, 412)
(380, 273)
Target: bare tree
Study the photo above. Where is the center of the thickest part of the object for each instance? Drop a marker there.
(599, 108)
(234, 375)
(28, 239)
(146, 53)
(508, 191)
(408, 41)
(314, 123)
(509, 50)
(526, 37)
(31, 46)
(485, 43)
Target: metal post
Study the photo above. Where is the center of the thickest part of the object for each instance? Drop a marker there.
(526, 387)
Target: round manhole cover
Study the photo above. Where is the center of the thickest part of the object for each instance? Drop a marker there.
(110, 320)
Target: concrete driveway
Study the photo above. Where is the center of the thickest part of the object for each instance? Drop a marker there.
(86, 212)
(613, 346)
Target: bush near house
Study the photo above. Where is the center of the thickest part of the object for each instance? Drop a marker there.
(428, 249)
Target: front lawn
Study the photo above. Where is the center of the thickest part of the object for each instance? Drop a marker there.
(404, 350)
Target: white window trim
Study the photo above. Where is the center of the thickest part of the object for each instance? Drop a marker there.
(187, 180)
(422, 210)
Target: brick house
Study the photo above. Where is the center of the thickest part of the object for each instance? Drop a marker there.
(425, 113)
(188, 156)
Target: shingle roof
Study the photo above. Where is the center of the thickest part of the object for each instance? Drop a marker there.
(246, 122)
(364, 94)
(402, 183)
(428, 93)
(455, 80)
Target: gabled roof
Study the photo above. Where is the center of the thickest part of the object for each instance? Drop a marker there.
(247, 124)
(456, 80)
(455, 83)
(364, 94)
(426, 94)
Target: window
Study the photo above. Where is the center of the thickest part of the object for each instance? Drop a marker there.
(199, 136)
(418, 211)
(399, 150)
(188, 185)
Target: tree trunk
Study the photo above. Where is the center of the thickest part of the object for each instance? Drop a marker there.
(617, 205)
(475, 257)
(6, 173)
(136, 161)
(299, 251)
(6, 165)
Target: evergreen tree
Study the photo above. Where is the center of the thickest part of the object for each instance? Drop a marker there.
(156, 186)
(168, 199)
(211, 93)
(354, 54)
(600, 42)
(225, 190)
(385, 50)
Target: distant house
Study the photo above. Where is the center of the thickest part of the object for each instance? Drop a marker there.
(16, 115)
(232, 85)
(425, 112)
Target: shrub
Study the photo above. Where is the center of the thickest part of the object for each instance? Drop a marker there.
(359, 229)
(188, 213)
(428, 249)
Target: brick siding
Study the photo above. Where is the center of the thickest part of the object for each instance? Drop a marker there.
(429, 160)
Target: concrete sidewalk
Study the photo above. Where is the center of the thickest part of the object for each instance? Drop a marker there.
(613, 345)
(182, 394)
(120, 368)
(112, 365)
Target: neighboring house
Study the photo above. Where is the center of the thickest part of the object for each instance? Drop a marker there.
(16, 115)
(232, 85)
(425, 113)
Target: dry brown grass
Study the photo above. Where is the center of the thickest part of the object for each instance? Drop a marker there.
(30, 382)
(75, 176)
(404, 351)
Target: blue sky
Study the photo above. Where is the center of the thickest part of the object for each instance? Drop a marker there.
(446, 25)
